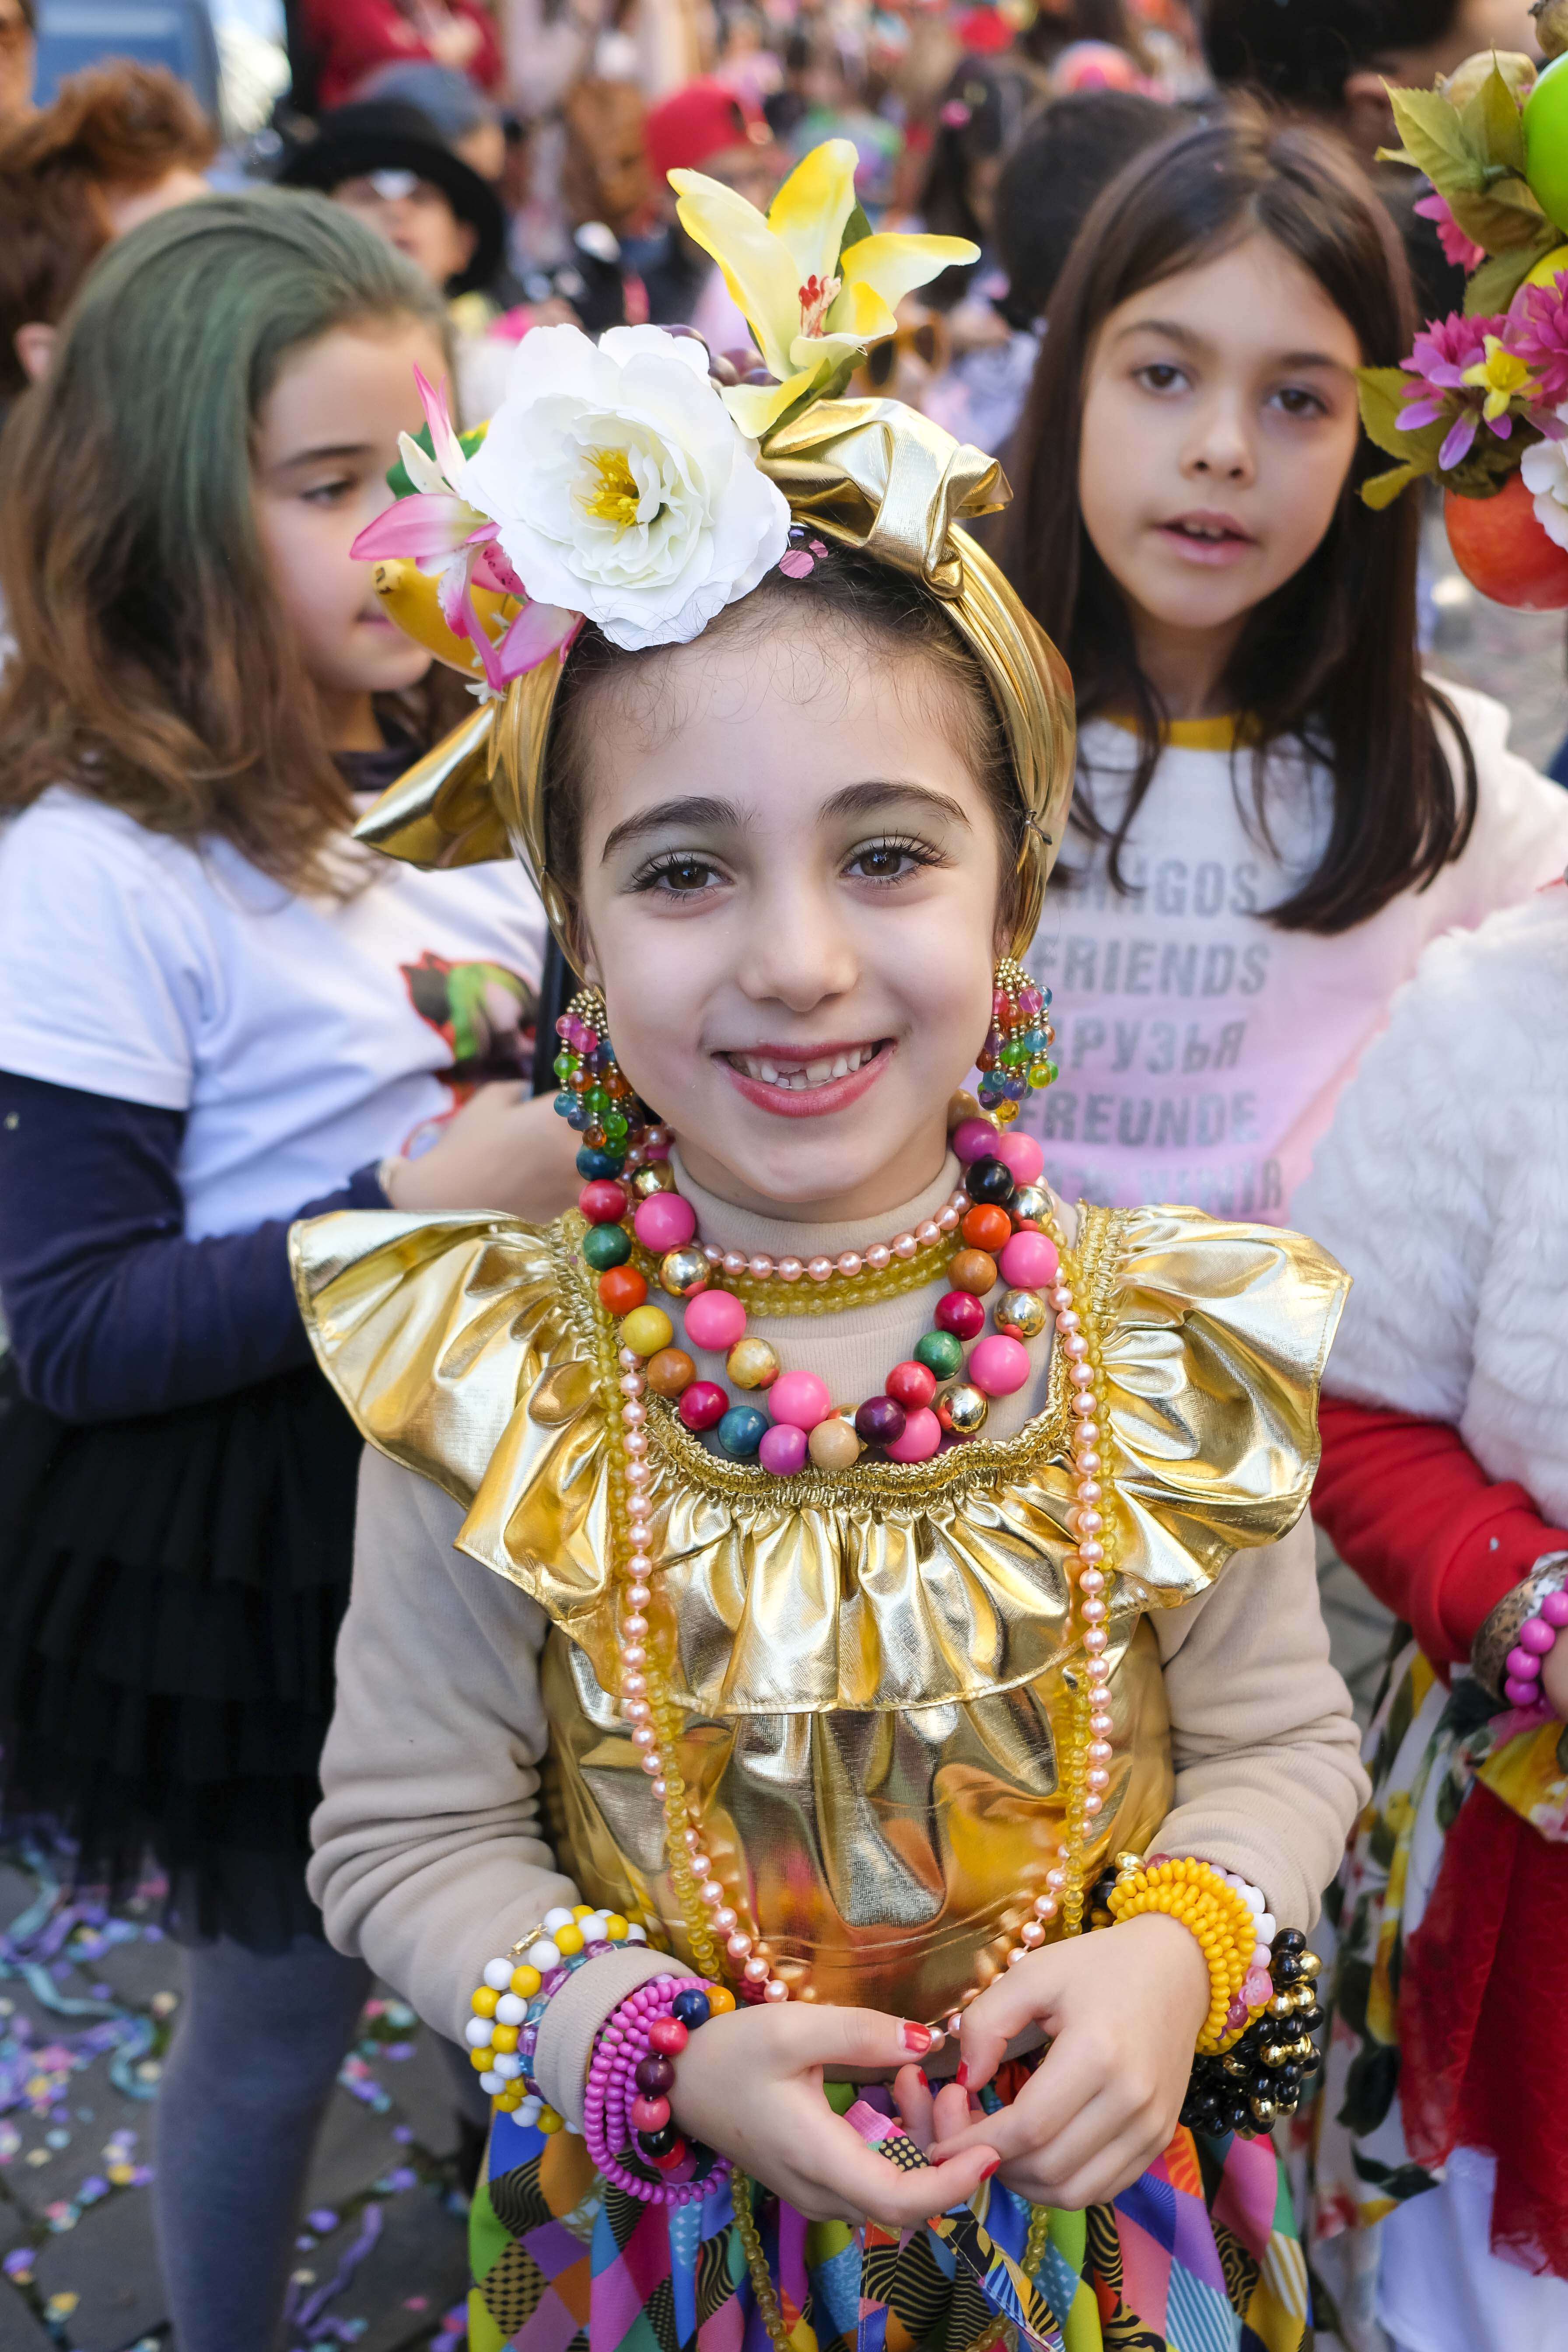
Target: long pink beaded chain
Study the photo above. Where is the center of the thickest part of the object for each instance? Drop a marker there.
(714, 1931)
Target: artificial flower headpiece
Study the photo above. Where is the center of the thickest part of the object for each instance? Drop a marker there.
(621, 484)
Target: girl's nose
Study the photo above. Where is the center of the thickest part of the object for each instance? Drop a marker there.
(799, 953)
(1221, 449)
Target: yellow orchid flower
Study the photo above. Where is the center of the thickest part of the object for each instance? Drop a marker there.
(1503, 375)
(812, 308)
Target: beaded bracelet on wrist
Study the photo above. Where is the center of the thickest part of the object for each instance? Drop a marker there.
(629, 2131)
(1258, 2080)
(1506, 1653)
(511, 1998)
(1227, 1917)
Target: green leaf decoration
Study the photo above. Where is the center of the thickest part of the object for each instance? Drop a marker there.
(400, 482)
(1384, 489)
(1501, 217)
(855, 227)
(1382, 392)
(1493, 124)
(1436, 140)
(1497, 282)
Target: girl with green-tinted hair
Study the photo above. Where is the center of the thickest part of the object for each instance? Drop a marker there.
(215, 1014)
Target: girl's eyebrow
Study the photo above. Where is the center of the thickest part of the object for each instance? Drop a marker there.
(338, 451)
(694, 809)
(855, 800)
(1176, 334)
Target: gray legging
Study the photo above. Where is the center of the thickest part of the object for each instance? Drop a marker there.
(257, 2050)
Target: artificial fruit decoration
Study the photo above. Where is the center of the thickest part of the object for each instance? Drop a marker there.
(1546, 142)
(1501, 548)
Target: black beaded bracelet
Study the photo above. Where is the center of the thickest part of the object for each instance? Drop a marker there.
(1258, 2081)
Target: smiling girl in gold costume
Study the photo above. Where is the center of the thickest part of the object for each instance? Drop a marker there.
(825, 1567)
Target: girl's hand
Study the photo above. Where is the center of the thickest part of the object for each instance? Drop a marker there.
(749, 2084)
(502, 1150)
(1123, 2008)
(1554, 1675)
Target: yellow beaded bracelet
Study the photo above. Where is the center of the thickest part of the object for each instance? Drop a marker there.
(510, 2000)
(1226, 1924)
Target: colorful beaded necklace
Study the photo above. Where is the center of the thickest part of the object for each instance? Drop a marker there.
(1006, 1226)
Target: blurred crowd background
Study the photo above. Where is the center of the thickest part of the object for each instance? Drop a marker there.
(517, 150)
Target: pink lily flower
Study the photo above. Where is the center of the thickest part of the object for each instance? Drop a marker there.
(456, 543)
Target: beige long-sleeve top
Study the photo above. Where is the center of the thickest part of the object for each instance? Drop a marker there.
(430, 1857)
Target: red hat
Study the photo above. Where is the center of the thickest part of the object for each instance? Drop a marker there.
(699, 122)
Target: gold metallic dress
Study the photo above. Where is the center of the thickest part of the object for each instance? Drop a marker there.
(873, 1665)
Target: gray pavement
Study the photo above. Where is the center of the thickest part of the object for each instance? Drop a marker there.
(86, 2014)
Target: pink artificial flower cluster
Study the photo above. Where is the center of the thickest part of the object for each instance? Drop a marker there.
(459, 546)
(1461, 251)
(1455, 377)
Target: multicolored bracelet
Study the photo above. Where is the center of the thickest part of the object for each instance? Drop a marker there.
(510, 2000)
(626, 2104)
(1227, 1915)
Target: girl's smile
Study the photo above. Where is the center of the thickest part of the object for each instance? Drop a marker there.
(1202, 537)
(808, 1081)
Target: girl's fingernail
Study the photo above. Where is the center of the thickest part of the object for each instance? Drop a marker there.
(915, 2037)
(960, 2075)
(995, 2166)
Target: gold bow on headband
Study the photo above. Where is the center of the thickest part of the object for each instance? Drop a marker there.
(863, 473)
(818, 286)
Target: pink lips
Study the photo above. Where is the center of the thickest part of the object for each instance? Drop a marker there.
(809, 1102)
(1228, 548)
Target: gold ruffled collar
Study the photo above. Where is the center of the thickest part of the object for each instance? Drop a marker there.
(473, 1350)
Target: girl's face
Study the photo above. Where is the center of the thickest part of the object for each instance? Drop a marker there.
(789, 892)
(1219, 422)
(326, 435)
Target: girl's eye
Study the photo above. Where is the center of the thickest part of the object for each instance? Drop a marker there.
(1161, 375)
(890, 861)
(329, 494)
(1297, 401)
(680, 875)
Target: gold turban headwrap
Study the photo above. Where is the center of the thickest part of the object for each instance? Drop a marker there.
(871, 474)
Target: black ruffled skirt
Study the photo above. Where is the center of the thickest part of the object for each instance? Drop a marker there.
(171, 1590)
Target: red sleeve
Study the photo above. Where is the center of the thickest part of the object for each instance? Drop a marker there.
(484, 66)
(1408, 1506)
(352, 37)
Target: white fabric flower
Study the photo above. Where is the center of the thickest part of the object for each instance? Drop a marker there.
(622, 486)
(1545, 469)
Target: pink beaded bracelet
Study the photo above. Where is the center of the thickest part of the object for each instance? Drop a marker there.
(623, 2101)
(1535, 1638)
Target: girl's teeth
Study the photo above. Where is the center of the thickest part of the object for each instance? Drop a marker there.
(809, 1074)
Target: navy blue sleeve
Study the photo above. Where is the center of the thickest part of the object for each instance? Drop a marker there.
(111, 1311)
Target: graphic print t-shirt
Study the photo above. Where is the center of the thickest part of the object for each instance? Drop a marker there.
(303, 1037)
(1202, 1051)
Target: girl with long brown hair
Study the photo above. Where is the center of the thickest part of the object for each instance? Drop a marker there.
(214, 1011)
(1275, 809)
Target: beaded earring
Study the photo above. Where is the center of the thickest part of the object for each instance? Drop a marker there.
(618, 1130)
(1016, 1053)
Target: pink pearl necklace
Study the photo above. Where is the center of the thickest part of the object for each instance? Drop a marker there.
(713, 1925)
(876, 1259)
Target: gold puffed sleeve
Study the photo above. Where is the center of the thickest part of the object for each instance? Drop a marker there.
(432, 1330)
(1213, 1338)
(471, 1349)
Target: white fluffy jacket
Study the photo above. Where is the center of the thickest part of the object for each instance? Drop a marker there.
(1442, 1188)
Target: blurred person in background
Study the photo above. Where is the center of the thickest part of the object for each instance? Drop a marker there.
(385, 163)
(1329, 60)
(462, 117)
(704, 128)
(215, 1007)
(18, 58)
(119, 143)
(349, 39)
(1067, 151)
